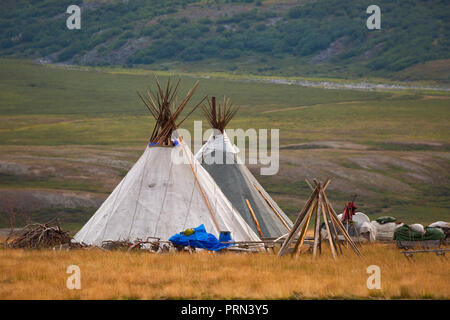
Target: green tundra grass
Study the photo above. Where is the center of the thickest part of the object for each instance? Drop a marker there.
(403, 136)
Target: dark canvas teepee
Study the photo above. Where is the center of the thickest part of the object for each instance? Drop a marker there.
(254, 204)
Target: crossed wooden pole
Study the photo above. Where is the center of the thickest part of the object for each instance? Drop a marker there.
(317, 206)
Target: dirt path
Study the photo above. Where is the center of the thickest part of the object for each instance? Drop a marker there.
(311, 105)
(349, 86)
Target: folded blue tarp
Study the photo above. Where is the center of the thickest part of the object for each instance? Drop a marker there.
(199, 239)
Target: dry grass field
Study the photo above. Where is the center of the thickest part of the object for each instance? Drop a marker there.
(41, 274)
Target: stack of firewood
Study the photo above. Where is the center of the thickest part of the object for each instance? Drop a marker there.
(39, 235)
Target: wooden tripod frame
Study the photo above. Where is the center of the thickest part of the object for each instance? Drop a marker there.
(317, 206)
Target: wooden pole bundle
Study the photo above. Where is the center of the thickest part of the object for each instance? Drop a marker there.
(317, 207)
(219, 116)
(165, 108)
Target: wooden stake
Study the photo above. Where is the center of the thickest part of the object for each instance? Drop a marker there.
(254, 218)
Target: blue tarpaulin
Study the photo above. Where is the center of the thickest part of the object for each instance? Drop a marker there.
(199, 239)
(175, 143)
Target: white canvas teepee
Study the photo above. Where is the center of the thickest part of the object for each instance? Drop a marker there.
(160, 198)
(167, 190)
(238, 184)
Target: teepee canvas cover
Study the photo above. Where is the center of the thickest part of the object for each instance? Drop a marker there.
(160, 198)
(250, 199)
(163, 195)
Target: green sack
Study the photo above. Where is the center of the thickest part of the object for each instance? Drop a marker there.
(385, 219)
(434, 233)
(405, 233)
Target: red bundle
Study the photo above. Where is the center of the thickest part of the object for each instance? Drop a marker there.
(349, 211)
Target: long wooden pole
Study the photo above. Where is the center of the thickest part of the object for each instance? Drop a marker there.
(334, 216)
(254, 218)
(294, 229)
(317, 223)
(344, 232)
(304, 223)
(309, 184)
(330, 238)
(302, 236)
(272, 207)
(200, 187)
(336, 236)
(213, 107)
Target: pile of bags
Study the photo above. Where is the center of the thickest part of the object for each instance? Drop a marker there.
(416, 232)
(385, 227)
(388, 229)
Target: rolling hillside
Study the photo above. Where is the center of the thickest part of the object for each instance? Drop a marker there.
(326, 38)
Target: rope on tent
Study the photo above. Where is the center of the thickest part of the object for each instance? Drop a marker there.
(199, 186)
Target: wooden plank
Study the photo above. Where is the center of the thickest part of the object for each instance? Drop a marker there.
(272, 207)
(255, 242)
(254, 218)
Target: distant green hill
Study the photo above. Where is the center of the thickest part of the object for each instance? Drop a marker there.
(320, 38)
